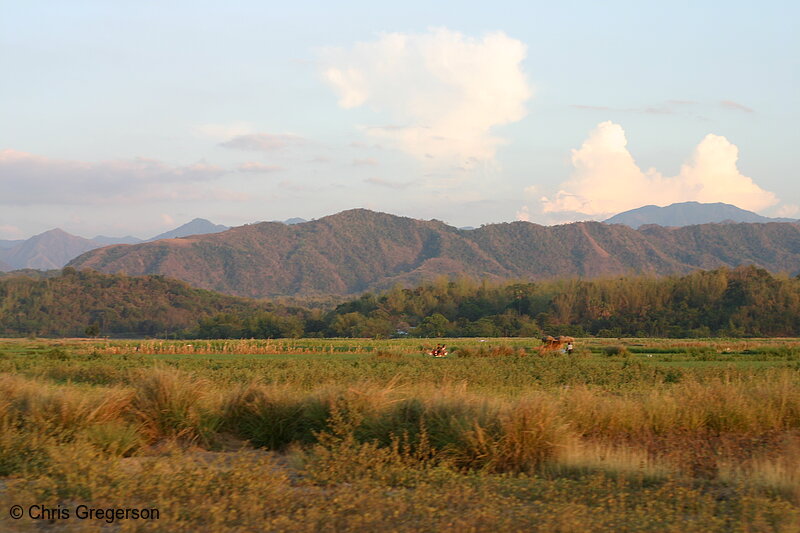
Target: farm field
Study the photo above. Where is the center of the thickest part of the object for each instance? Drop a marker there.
(360, 434)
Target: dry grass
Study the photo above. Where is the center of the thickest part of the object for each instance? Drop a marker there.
(172, 405)
(55, 408)
(713, 452)
(501, 350)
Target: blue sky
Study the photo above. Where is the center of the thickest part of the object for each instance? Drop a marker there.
(132, 117)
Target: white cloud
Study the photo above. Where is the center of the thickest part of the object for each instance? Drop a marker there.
(444, 91)
(788, 211)
(167, 220)
(606, 179)
(27, 179)
(524, 214)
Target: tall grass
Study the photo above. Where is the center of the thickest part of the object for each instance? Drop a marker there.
(386, 425)
(58, 409)
(172, 405)
(717, 406)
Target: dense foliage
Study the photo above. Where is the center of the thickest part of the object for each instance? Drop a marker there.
(746, 301)
(88, 303)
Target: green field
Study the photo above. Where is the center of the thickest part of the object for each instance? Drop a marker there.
(361, 435)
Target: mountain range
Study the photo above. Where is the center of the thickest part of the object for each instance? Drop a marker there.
(55, 248)
(688, 214)
(360, 250)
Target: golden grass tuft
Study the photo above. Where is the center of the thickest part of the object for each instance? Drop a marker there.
(59, 408)
(171, 404)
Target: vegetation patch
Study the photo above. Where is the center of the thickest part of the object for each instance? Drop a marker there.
(359, 432)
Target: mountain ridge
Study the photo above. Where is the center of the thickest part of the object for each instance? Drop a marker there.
(197, 226)
(48, 250)
(358, 250)
(54, 248)
(688, 214)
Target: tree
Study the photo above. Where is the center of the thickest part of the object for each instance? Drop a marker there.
(434, 325)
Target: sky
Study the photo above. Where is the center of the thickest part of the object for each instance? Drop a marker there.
(130, 118)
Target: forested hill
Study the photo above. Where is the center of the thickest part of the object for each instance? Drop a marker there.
(119, 305)
(360, 250)
(745, 301)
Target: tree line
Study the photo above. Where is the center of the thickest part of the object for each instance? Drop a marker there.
(745, 301)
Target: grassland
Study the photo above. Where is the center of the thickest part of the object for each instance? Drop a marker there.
(363, 435)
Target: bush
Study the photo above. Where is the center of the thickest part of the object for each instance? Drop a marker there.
(617, 350)
(272, 418)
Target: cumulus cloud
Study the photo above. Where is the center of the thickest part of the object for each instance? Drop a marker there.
(607, 180)
(443, 91)
(524, 214)
(263, 142)
(27, 179)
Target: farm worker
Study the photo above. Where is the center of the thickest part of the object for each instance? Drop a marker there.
(569, 348)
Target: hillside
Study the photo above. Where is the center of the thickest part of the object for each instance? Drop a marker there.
(688, 214)
(358, 250)
(66, 304)
(48, 250)
(6, 244)
(55, 248)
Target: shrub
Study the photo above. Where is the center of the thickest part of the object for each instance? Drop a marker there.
(616, 351)
(270, 417)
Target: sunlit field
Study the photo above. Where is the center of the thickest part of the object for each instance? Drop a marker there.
(362, 435)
